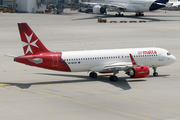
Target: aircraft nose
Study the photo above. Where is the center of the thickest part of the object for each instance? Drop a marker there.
(173, 58)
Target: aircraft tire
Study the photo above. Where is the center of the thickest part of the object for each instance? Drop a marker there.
(93, 75)
(113, 78)
(155, 74)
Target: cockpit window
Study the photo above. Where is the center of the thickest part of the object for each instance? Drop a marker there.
(168, 53)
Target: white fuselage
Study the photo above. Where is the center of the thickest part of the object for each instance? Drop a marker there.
(133, 5)
(138, 6)
(87, 60)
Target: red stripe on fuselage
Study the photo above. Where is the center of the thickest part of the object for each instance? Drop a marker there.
(50, 60)
(64, 65)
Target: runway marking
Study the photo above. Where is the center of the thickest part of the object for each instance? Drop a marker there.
(45, 84)
(64, 84)
(174, 119)
(89, 104)
(3, 85)
(122, 98)
(82, 37)
(21, 86)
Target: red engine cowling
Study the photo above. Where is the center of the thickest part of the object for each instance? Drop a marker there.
(139, 71)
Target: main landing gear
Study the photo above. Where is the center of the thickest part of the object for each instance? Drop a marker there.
(114, 77)
(122, 15)
(155, 73)
(111, 78)
(139, 14)
(119, 15)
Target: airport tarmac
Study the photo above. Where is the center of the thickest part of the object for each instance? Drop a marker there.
(38, 94)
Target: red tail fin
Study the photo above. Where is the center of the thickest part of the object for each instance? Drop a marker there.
(31, 43)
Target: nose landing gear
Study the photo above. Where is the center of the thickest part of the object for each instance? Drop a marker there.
(155, 73)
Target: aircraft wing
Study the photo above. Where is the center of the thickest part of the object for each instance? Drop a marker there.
(120, 66)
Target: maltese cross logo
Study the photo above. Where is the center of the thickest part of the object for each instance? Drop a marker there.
(29, 43)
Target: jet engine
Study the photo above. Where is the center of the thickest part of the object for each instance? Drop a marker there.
(98, 9)
(139, 71)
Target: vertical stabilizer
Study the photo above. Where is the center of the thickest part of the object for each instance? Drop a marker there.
(31, 43)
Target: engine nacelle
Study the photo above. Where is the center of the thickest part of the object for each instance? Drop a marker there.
(139, 71)
(97, 9)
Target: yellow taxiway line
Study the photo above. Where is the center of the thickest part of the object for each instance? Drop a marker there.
(70, 99)
(64, 85)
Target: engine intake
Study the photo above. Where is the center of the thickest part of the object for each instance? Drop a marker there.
(139, 72)
(97, 9)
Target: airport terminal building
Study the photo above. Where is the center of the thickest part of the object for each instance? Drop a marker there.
(31, 6)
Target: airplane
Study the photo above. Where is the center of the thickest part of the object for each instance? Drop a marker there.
(135, 62)
(137, 6)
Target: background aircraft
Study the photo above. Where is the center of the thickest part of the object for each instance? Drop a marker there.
(137, 6)
(134, 62)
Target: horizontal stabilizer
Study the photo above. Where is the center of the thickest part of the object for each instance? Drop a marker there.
(13, 56)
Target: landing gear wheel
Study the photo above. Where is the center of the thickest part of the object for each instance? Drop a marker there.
(93, 75)
(139, 14)
(155, 74)
(119, 15)
(113, 78)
